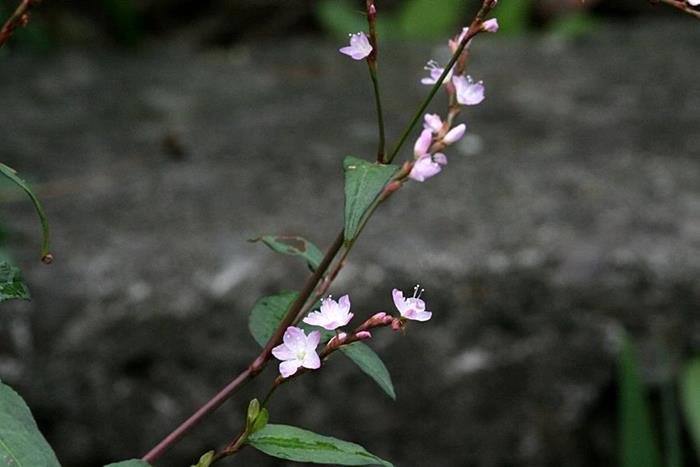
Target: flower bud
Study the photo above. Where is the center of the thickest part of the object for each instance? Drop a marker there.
(490, 25)
(423, 143)
(455, 134)
(362, 335)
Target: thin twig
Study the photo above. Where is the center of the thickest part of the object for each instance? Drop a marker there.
(681, 5)
(19, 18)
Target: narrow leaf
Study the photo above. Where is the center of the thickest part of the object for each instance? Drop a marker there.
(295, 444)
(21, 443)
(11, 283)
(206, 459)
(690, 400)
(267, 314)
(12, 175)
(364, 182)
(371, 364)
(637, 443)
(295, 246)
(261, 421)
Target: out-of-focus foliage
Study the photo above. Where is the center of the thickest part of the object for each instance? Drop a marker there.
(690, 400)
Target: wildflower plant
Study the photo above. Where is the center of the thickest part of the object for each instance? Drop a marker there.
(300, 331)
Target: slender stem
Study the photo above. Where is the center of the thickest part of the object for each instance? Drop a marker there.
(19, 18)
(672, 437)
(380, 114)
(681, 5)
(474, 29)
(256, 366)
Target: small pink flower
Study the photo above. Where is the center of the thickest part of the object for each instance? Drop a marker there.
(433, 122)
(427, 166)
(435, 71)
(468, 92)
(332, 314)
(455, 134)
(297, 350)
(491, 25)
(359, 47)
(412, 308)
(423, 143)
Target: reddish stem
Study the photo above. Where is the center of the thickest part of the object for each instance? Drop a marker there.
(19, 18)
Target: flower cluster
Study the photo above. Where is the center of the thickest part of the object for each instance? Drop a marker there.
(298, 350)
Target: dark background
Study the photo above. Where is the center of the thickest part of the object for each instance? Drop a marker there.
(162, 135)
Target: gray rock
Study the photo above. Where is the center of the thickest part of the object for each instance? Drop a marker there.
(569, 213)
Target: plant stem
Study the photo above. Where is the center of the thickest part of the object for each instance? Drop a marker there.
(256, 366)
(380, 114)
(474, 29)
(19, 18)
(681, 5)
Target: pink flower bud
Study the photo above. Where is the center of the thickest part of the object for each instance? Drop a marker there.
(372, 10)
(455, 134)
(491, 25)
(423, 143)
(433, 122)
(362, 335)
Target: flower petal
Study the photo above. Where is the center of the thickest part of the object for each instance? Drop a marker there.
(294, 338)
(289, 367)
(399, 301)
(311, 361)
(312, 341)
(282, 352)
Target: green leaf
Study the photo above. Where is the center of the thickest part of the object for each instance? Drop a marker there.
(371, 364)
(295, 246)
(514, 16)
(12, 175)
(11, 283)
(130, 463)
(690, 400)
(261, 421)
(267, 314)
(430, 18)
(206, 459)
(637, 443)
(295, 444)
(364, 182)
(21, 443)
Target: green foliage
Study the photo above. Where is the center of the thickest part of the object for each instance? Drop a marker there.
(268, 312)
(415, 19)
(638, 447)
(295, 246)
(430, 18)
(574, 25)
(364, 182)
(21, 443)
(514, 16)
(295, 444)
(130, 463)
(11, 174)
(11, 284)
(206, 459)
(690, 400)
(257, 417)
(371, 364)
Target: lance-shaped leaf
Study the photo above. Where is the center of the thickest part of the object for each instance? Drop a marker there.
(371, 364)
(364, 182)
(130, 463)
(10, 173)
(690, 400)
(21, 443)
(637, 442)
(206, 459)
(11, 283)
(267, 314)
(295, 444)
(295, 246)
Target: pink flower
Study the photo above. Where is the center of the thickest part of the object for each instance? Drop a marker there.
(491, 25)
(468, 92)
(297, 350)
(359, 47)
(435, 72)
(433, 122)
(694, 2)
(427, 166)
(455, 134)
(423, 143)
(411, 308)
(332, 314)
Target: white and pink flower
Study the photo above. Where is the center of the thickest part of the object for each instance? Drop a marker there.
(412, 308)
(297, 350)
(468, 91)
(359, 47)
(332, 314)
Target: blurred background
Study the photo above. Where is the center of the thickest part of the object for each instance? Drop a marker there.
(161, 135)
